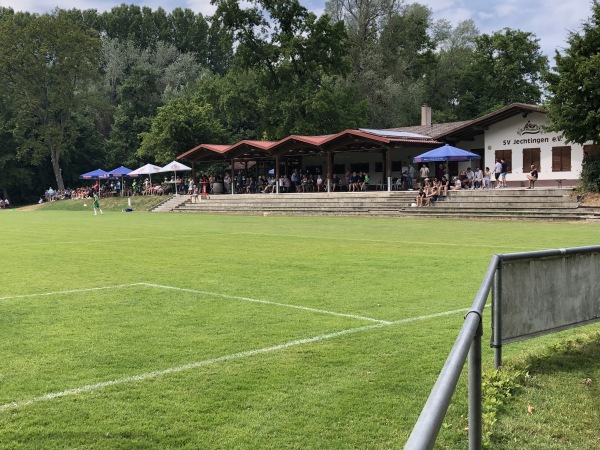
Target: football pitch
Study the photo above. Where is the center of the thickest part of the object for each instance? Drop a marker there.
(148, 330)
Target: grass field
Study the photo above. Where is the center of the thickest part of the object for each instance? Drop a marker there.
(147, 330)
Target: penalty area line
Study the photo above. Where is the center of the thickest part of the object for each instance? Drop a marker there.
(207, 362)
(71, 291)
(268, 302)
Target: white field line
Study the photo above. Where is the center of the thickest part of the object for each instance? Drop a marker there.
(72, 291)
(267, 302)
(383, 241)
(195, 365)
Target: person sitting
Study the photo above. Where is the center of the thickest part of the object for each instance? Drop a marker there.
(270, 187)
(532, 176)
(319, 183)
(251, 186)
(444, 185)
(432, 198)
(364, 186)
(353, 186)
(457, 184)
(420, 197)
(428, 186)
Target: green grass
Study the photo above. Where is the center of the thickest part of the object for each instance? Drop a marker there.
(146, 330)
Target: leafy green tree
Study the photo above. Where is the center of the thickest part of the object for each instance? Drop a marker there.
(507, 66)
(290, 50)
(47, 65)
(180, 125)
(574, 106)
(453, 55)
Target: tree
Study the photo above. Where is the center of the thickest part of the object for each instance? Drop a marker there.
(574, 106)
(290, 50)
(137, 82)
(180, 125)
(47, 65)
(507, 66)
(454, 52)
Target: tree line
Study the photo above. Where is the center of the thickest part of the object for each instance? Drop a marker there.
(82, 89)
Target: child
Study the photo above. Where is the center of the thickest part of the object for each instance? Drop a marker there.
(97, 204)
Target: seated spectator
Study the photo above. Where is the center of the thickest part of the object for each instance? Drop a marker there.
(250, 186)
(470, 178)
(420, 197)
(432, 198)
(353, 186)
(532, 176)
(427, 186)
(444, 185)
(319, 183)
(364, 184)
(270, 187)
(335, 183)
(2, 204)
(457, 184)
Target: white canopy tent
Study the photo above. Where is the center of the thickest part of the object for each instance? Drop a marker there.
(175, 166)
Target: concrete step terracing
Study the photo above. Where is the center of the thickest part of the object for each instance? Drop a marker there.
(551, 204)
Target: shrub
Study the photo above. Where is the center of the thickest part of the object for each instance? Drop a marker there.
(590, 173)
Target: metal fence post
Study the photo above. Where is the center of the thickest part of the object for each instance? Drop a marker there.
(497, 316)
(475, 391)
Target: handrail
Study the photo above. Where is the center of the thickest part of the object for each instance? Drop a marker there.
(430, 420)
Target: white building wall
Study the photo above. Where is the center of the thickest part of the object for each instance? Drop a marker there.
(518, 133)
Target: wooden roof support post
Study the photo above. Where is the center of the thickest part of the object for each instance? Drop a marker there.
(388, 169)
(329, 170)
(233, 178)
(277, 176)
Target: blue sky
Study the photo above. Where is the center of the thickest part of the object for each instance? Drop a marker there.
(549, 20)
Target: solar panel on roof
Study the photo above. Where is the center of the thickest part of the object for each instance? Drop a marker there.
(396, 134)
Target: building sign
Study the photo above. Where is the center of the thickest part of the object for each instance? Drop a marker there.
(530, 129)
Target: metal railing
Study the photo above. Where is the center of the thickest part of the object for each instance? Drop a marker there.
(468, 342)
(428, 425)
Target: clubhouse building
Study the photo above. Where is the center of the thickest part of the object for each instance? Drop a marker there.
(515, 133)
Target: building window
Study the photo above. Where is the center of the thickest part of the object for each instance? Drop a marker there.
(531, 156)
(359, 167)
(396, 166)
(506, 155)
(339, 169)
(379, 167)
(589, 150)
(561, 159)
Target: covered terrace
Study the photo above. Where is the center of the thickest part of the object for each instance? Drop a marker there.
(285, 153)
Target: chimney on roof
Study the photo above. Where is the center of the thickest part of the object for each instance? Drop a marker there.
(425, 115)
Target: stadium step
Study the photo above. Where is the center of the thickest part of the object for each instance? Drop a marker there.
(548, 204)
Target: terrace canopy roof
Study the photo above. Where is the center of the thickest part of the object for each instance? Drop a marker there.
(297, 145)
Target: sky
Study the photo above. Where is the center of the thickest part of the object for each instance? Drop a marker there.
(550, 20)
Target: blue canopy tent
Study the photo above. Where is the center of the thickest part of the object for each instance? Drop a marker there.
(97, 174)
(446, 153)
(121, 172)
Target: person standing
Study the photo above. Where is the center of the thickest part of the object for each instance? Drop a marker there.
(410, 177)
(504, 171)
(424, 173)
(97, 204)
(497, 172)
